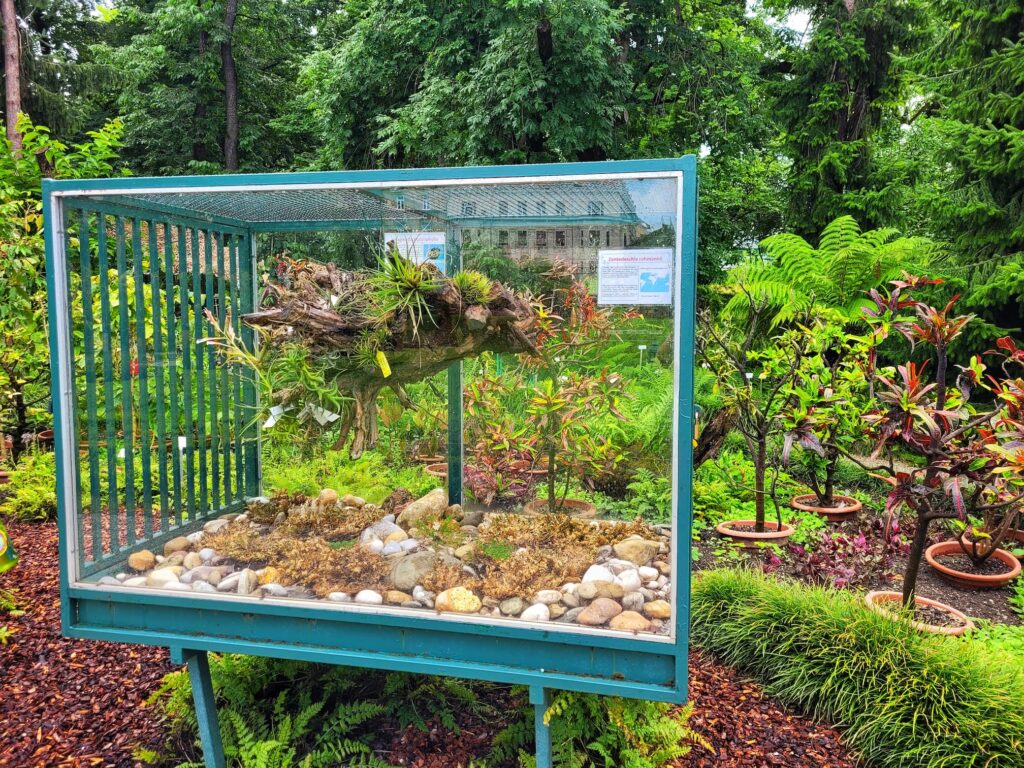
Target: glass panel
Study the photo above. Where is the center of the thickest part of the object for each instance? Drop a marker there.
(466, 395)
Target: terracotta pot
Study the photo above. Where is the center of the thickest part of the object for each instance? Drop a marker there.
(437, 470)
(877, 601)
(571, 507)
(964, 580)
(750, 539)
(5, 477)
(847, 506)
(45, 436)
(1017, 535)
(429, 459)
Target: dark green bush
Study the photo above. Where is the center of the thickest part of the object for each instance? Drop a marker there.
(31, 493)
(904, 699)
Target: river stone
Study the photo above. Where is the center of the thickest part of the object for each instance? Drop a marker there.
(175, 585)
(658, 609)
(663, 567)
(397, 597)
(328, 496)
(548, 596)
(248, 581)
(274, 590)
(207, 553)
(142, 560)
(216, 525)
(202, 586)
(162, 577)
(369, 597)
(412, 569)
(340, 597)
(571, 599)
(617, 566)
(136, 581)
(639, 551)
(216, 575)
(457, 600)
(588, 590)
(177, 544)
(472, 517)
(434, 503)
(466, 551)
(632, 601)
(175, 559)
(229, 583)
(408, 545)
(194, 538)
(109, 581)
(556, 610)
(630, 621)
(353, 501)
(374, 545)
(382, 529)
(598, 573)
(194, 575)
(570, 616)
(599, 612)
(391, 549)
(192, 560)
(629, 581)
(398, 535)
(647, 573)
(513, 606)
(536, 612)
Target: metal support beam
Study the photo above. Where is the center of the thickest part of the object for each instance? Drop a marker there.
(206, 707)
(540, 698)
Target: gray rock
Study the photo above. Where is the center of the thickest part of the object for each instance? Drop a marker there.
(207, 553)
(598, 573)
(472, 517)
(216, 525)
(633, 601)
(391, 549)
(548, 596)
(569, 617)
(202, 586)
(109, 581)
(374, 545)
(409, 545)
(202, 573)
(411, 570)
(247, 582)
(571, 600)
(121, 576)
(229, 583)
(381, 530)
(513, 606)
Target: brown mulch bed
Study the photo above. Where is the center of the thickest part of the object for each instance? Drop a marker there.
(71, 703)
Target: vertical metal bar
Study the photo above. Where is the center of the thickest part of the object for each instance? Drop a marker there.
(71, 438)
(197, 321)
(455, 405)
(109, 414)
(210, 285)
(206, 708)
(223, 266)
(172, 369)
(142, 358)
(540, 698)
(685, 323)
(158, 375)
(89, 343)
(236, 373)
(250, 397)
(184, 297)
(124, 333)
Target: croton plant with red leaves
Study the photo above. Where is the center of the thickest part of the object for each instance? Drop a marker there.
(972, 468)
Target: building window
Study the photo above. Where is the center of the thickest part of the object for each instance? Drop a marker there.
(542, 239)
(593, 237)
(608, 238)
(560, 238)
(503, 238)
(400, 203)
(595, 208)
(521, 207)
(469, 208)
(560, 208)
(521, 238)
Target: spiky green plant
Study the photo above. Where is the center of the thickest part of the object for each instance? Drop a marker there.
(400, 286)
(847, 262)
(474, 287)
(369, 343)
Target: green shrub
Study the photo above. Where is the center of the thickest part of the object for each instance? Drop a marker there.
(903, 698)
(31, 493)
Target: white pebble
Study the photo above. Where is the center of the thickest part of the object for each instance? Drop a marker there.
(135, 581)
(652, 585)
(536, 612)
(229, 583)
(176, 585)
(548, 596)
(195, 537)
(598, 573)
(618, 566)
(340, 597)
(569, 588)
(121, 576)
(391, 548)
(374, 545)
(408, 545)
(274, 590)
(647, 573)
(207, 553)
(202, 586)
(629, 580)
(388, 519)
(369, 597)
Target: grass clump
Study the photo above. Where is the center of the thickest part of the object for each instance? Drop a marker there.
(905, 699)
(474, 287)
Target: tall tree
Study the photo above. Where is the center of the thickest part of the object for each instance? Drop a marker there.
(230, 75)
(12, 73)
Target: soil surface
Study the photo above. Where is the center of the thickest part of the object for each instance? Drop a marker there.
(71, 703)
(962, 563)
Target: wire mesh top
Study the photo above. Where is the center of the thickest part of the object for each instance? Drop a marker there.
(423, 207)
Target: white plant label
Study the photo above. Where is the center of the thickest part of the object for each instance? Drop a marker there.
(634, 277)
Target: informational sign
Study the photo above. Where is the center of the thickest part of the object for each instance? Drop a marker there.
(635, 277)
(419, 247)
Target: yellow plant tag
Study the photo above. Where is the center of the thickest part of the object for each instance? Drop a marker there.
(382, 361)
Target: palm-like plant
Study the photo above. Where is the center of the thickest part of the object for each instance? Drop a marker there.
(847, 263)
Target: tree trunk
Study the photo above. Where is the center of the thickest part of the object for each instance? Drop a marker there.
(828, 498)
(759, 470)
(552, 466)
(12, 72)
(914, 562)
(230, 74)
(199, 113)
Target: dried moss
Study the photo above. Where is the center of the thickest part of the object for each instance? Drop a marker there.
(558, 531)
(524, 573)
(328, 521)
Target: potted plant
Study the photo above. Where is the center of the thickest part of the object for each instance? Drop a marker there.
(556, 412)
(821, 419)
(757, 384)
(954, 444)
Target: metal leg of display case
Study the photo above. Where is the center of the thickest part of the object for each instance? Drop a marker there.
(206, 707)
(540, 698)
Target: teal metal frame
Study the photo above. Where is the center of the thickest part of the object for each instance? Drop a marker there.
(542, 657)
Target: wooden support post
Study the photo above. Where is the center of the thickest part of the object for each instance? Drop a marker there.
(206, 707)
(540, 697)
